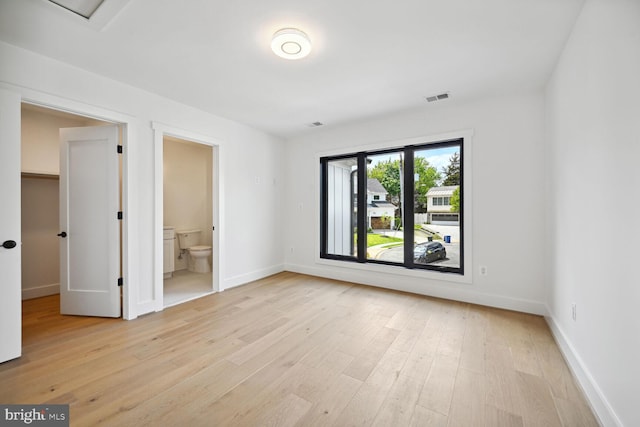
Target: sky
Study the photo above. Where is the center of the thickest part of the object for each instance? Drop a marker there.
(438, 158)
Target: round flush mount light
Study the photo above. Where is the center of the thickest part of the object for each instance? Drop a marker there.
(290, 43)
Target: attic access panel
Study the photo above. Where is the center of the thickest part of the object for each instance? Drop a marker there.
(84, 8)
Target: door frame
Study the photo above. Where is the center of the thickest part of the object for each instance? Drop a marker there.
(161, 130)
(130, 190)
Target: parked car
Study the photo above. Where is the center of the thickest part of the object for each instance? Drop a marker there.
(428, 252)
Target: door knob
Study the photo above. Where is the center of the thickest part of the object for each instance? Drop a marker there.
(9, 244)
(63, 234)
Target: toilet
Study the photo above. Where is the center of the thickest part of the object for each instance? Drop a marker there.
(198, 254)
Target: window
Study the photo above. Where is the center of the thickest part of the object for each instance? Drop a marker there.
(403, 235)
(340, 199)
(442, 201)
(376, 197)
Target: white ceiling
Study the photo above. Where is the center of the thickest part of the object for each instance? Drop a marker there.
(369, 57)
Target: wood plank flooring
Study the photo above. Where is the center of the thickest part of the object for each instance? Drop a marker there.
(295, 350)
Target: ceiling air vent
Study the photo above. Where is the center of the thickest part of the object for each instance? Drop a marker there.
(440, 97)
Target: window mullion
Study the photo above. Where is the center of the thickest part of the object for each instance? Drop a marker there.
(362, 208)
(407, 204)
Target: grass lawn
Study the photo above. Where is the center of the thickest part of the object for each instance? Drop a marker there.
(374, 239)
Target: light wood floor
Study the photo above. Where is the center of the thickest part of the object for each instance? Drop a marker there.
(295, 350)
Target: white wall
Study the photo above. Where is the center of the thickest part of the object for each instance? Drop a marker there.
(40, 247)
(593, 112)
(251, 168)
(507, 153)
(187, 195)
(40, 149)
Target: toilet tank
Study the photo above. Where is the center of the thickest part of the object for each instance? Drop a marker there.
(188, 238)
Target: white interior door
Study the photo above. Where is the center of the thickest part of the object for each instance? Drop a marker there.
(10, 257)
(89, 225)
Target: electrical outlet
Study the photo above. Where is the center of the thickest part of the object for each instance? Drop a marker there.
(573, 311)
(483, 270)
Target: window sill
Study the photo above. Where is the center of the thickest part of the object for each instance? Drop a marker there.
(399, 270)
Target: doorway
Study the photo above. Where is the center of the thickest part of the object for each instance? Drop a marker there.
(188, 220)
(11, 100)
(40, 207)
(187, 211)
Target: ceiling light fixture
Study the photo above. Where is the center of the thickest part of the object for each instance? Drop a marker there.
(290, 43)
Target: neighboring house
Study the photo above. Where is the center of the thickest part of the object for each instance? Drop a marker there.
(439, 206)
(380, 212)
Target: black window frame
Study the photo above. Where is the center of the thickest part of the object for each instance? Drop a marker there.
(408, 216)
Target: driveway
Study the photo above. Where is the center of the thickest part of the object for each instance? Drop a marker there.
(445, 230)
(396, 254)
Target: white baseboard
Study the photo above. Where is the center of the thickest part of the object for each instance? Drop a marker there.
(41, 291)
(243, 279)
(599, 403)
(446, 291)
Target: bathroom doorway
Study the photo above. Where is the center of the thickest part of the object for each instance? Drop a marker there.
(41, 189)
(189, 261)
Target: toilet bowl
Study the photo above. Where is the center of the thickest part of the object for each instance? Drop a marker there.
(188, 241)
(199, 259)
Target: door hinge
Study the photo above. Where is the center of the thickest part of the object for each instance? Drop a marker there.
(120, 281)
(119, 149)
(120, 215)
